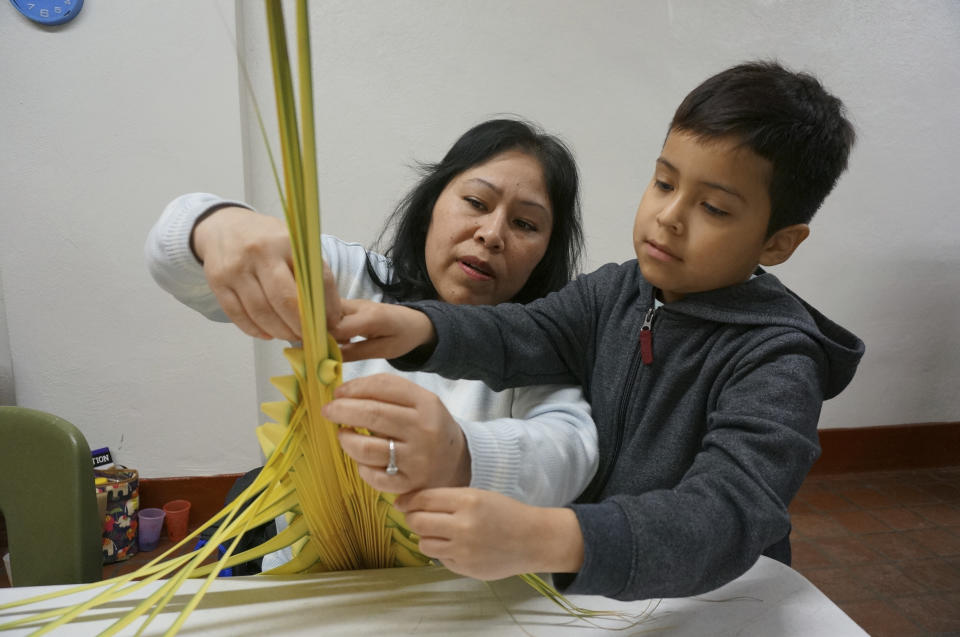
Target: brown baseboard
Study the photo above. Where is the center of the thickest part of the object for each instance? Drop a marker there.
(889, 448)
(206, 493)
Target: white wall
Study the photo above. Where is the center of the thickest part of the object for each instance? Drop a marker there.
(154, 85)
(7, 387)
(103, 122)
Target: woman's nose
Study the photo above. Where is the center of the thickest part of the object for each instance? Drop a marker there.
(491, 230)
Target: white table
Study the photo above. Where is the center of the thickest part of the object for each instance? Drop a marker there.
(769, 600)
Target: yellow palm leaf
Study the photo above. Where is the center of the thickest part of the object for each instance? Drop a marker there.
(337, 521)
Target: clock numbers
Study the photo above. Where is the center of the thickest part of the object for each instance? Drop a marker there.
(49, 12)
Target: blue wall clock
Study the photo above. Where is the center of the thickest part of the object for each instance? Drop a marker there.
(49, 12)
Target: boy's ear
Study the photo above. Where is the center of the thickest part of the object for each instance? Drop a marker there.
(781, 245)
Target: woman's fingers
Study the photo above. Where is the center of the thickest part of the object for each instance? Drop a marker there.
(383, 419)
(372, 455)
(280, 290)
(371, 451)
(331, 298)
(430, 443)
(232, 306)
(259, 308)
(247, 262)
(384, 387)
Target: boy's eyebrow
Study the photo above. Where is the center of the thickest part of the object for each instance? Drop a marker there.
(525, 202)
(708, 184)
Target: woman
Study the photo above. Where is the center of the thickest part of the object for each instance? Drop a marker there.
(496, 220)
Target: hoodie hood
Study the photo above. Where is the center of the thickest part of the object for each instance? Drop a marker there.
(764, 300)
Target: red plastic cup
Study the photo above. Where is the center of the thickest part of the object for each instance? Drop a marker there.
(177, 519)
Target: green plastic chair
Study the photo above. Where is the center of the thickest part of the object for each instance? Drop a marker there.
(48, 500)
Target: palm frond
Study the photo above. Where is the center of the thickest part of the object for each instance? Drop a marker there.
(336, 520)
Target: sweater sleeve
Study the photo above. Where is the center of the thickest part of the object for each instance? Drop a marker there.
(731, 504)
(170, 259)
(544, 455)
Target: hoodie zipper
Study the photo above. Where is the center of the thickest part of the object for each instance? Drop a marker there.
(643, 352)
(646, 337)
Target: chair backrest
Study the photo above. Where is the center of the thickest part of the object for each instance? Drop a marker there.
(48, 500)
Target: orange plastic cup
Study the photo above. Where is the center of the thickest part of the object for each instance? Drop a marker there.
(177, 519)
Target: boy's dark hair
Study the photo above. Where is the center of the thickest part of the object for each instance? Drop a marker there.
(411, 218)
(783, 116)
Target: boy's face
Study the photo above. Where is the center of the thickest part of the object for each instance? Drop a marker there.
(702, 222)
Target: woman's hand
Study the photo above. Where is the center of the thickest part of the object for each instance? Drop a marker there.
(247, 260)
(388, 330)
(430, 448)
(488, 535)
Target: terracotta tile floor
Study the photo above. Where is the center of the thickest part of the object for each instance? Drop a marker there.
(884, 546)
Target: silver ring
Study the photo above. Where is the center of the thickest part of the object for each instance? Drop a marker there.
(392, 468)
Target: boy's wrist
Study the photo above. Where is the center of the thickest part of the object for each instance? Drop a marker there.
(559, 541)
(424, 336)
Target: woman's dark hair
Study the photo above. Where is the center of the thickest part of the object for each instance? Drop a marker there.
(411, 218)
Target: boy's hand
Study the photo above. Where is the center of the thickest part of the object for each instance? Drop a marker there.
(248, 264)
(431, 450)
(389, 330)
(488, 535)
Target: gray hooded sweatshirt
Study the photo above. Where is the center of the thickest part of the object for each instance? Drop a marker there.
(706, 410)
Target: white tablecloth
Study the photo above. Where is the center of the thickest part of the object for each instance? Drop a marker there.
(769, 600)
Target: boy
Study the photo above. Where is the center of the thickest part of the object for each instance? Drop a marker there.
(706, 375)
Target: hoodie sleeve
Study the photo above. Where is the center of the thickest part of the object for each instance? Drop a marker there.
(731, 504)
(549, 340)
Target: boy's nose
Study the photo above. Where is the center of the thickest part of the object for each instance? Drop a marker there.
(670, 217)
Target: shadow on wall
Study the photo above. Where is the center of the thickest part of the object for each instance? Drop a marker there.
(7, 392)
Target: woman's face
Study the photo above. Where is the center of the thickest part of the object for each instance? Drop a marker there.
(490, 227)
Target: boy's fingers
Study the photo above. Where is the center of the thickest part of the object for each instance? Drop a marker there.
(439, 500)
(437, 548)
(351, 325)
(429, 525)
(370, 348)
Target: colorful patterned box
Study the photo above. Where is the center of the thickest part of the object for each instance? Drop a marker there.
(120, 520)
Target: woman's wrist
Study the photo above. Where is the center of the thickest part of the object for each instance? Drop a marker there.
(205, 225)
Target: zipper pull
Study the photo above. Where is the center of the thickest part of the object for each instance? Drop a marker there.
(646, 338)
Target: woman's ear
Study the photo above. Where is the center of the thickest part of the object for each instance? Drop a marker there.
(781, 245)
